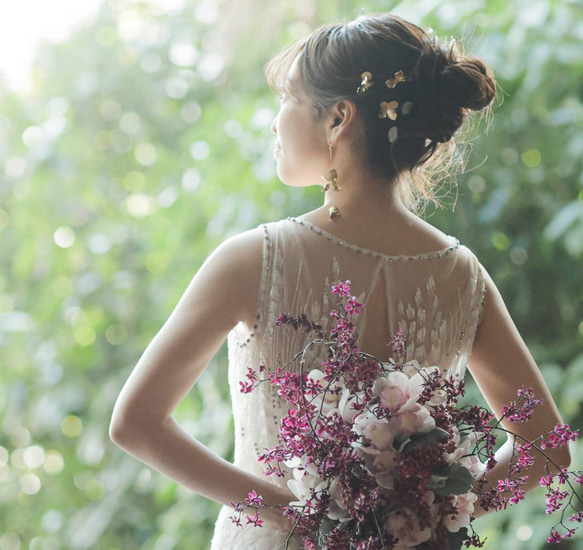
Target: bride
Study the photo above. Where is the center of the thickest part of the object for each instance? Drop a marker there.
(370, 111)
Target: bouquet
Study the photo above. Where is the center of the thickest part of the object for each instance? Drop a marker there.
(381, 455)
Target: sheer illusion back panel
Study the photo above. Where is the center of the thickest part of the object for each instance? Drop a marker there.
(435, 297)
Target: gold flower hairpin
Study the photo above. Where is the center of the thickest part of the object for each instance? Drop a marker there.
(366, 82)
(394, 80)
(388, 109)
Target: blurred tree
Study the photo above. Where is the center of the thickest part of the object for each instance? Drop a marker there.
(145, 144)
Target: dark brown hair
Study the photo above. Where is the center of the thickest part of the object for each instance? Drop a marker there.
(444, 86)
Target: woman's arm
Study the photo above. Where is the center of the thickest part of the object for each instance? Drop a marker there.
(501, 363)
(169, 449)
(223, 292)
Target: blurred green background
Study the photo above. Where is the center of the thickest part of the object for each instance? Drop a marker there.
(144, 144)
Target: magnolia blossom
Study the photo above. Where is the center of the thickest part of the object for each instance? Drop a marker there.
(412, 418)
(399, 388)
(302, 482)
(435, 516)
(336, 509)
(465, 507)
(308, 478)
(376, 430)
(466, 446)
(328, 397)
(405, 526)
(474, 465)
(380, 464)
(344, 405)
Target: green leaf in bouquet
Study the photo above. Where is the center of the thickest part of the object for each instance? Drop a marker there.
(437, 482)
(456, 539)
(326, 526)
(459, 480)
(428, 439)
(359, 472)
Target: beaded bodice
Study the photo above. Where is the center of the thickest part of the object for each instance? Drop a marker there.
(436, 298)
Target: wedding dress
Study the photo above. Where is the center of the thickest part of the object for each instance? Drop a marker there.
(435, 297)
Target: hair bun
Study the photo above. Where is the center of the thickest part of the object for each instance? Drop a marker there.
(470, 82)
(447, 85)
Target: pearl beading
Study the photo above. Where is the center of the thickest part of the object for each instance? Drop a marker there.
(360, 250)
(265, 272)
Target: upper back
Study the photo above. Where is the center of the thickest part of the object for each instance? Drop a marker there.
(434, 296)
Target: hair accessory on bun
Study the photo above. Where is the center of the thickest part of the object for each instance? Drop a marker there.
(366, 82)
(388, 109)
(393, 134)
(394, 80)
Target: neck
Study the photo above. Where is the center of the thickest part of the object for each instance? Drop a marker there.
(365, 199)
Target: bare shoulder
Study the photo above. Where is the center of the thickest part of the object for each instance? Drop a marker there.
(241, 255)
(220, 294)
(428, 236)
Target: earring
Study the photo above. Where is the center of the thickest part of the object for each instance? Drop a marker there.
(330, 180)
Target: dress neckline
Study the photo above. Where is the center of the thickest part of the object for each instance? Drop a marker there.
(425, 255)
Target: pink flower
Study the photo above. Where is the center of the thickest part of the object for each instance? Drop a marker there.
(337, 510)
(342, 289)
(402, 389)
(330, 398)
(465, 506)
(412, 418)
(255, 520)
(473, 464)
(466, 446)
(379, 463)
(353, 306)
(392, 390)
(376, 430)
(345, 405)
(405, 526)
(435, 516)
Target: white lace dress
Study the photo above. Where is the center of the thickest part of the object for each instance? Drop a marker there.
(435, 297)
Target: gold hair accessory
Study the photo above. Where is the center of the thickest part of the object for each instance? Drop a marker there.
(394, 80)
(393, 134)
(388, 109)
(366, 82)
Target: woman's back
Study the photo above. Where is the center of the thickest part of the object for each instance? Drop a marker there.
(434, 296)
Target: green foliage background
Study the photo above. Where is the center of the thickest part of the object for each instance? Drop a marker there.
(146, 143)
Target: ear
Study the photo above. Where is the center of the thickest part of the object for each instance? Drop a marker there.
(341, 119)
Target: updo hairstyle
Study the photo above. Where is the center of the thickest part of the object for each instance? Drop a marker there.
(444, 86)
